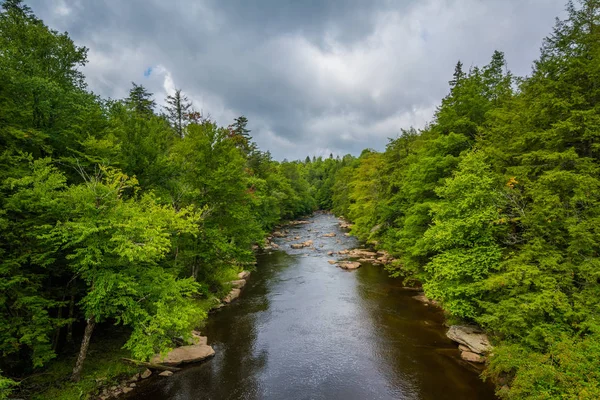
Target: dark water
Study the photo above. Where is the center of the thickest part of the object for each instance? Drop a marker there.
(305, 329)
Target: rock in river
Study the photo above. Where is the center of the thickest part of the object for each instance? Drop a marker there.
(349, 265)
(472, 357)
(234, 294)
(238, 284)
(471, 336)
(244, 275)
(184, 355)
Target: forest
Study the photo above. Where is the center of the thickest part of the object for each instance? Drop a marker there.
(117, 215)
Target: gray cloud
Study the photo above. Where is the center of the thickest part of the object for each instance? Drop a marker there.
(312, 77)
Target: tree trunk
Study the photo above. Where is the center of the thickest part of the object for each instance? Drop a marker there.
(85, 343)
(70, 326)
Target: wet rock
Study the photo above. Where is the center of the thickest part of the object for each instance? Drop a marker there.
(278, 234)
(166, 373)
(234, 294)
(472, 357)
(343, 252)
(238, 284)
(332, 262)
(330, 253)
(244, 275)
(297, 238)
(185, 355)
(297, 246)
(349, 265)
(328, 235)
(362, 253)
(299, 222)
(132, 385)
(274, 245)
(146, 374)
(424, 299)
(471, 336)
(197, 338)
(308, 243)
(134, 378)
(462, 347)
(128, 389)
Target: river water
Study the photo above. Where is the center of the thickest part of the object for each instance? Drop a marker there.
(305, 329)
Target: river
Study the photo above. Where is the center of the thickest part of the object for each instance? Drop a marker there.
(305, 329)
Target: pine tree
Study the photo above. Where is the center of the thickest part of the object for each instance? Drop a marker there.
(141, 100)
(178, 111)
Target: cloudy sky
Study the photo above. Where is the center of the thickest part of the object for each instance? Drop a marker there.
(313, 77)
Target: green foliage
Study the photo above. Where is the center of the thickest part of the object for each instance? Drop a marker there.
(495, 208)
(113, 214)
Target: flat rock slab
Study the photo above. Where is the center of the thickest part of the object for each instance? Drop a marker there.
(471, 336)
(424, 299)
(349, 266)
(234, 294)
(185, 355)
(327, 235)
(472, 357)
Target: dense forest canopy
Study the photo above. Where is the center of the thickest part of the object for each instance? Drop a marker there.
(119, 212)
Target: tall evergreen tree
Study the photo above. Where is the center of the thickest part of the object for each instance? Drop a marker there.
(178, 111)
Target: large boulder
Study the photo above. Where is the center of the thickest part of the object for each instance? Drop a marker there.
(234, 294)
(471, 336)
(184, 355)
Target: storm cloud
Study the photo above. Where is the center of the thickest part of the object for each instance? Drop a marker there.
(313, 77)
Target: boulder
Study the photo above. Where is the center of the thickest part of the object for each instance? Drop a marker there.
(330, 235)
(184, 355)
(471, 336)
(462, 347)
(244, 275)
(330, 253)
(128, 389)
(238, 284)
(166, 373)
(234, 294)
(362, 253)
(278, 234)
(297, 246)
(343, 252)
(299, 222)
(332, 262)
(472, 357)
(424, 299)
(274, 245)
(308, 243)
(146, 374)
(349, 265)
(198, 339)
